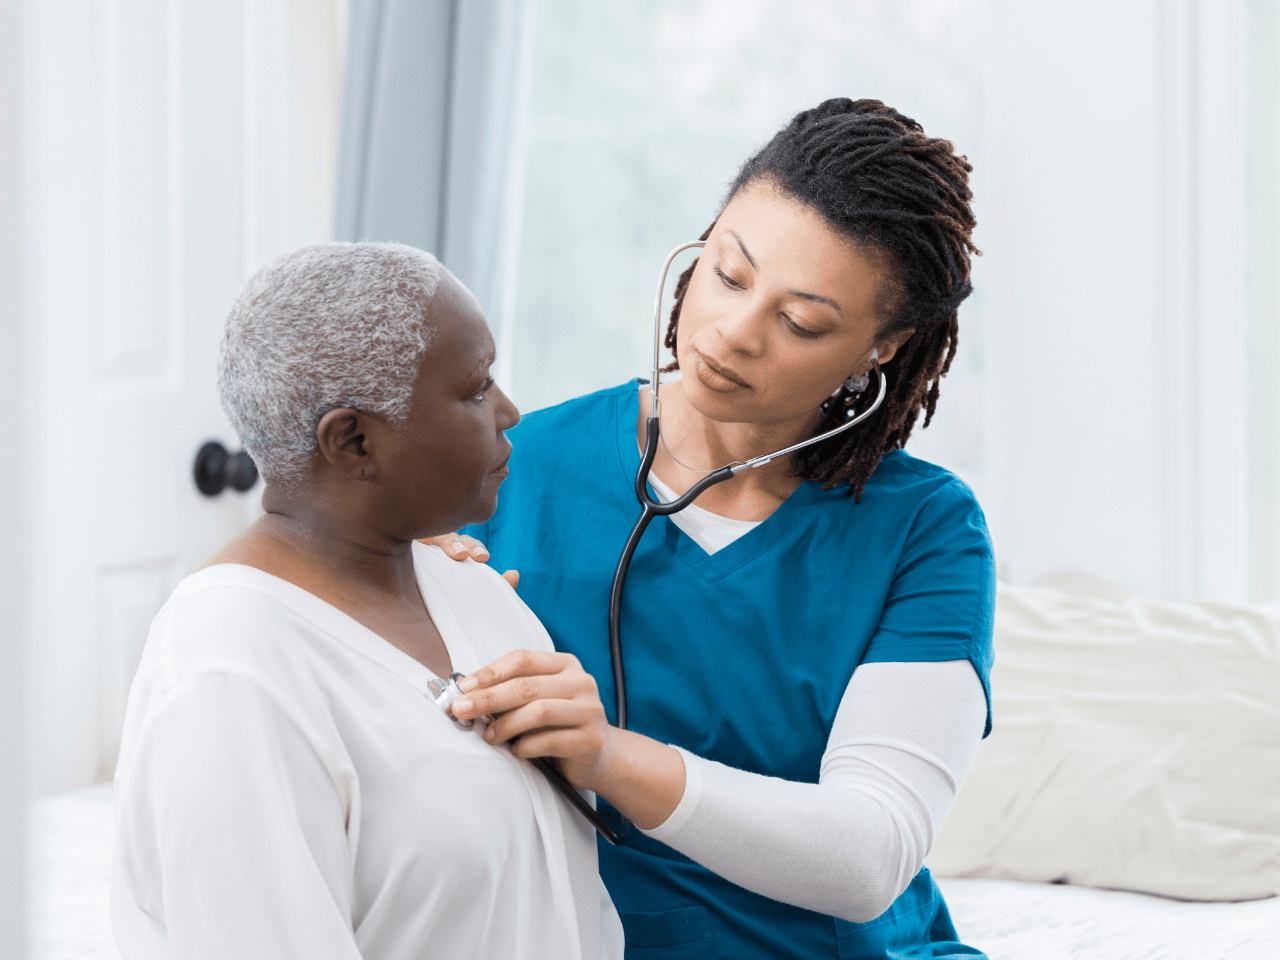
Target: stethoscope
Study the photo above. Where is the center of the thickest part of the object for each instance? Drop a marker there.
(650, 508)
(445, 692)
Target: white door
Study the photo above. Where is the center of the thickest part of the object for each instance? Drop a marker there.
(157, 146)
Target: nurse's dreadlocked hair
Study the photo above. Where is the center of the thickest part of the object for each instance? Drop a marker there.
(904, 198)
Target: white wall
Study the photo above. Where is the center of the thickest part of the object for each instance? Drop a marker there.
(1114, 224)
(1264, 299)
(13, 727)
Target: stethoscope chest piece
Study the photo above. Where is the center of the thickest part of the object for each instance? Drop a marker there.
(444, 693)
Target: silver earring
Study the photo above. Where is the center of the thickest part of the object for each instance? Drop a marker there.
(857, 383)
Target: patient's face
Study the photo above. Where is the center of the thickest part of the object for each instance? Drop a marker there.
(449, 457)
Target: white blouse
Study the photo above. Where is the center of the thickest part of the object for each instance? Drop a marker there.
(287, 788)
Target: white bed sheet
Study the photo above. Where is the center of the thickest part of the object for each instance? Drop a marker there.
(1044, 921)
(70, 875)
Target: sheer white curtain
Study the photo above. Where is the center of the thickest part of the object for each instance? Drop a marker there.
(639, 116)
(1112, 397)
(1118, 330)
(1101, 403)
(1264, 299)
(430, 132)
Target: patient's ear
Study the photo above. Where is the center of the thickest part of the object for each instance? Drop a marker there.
(347, 440)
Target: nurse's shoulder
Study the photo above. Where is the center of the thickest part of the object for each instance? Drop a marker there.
(916, 506)
(906, 480)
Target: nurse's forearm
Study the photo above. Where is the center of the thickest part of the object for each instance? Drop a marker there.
(642, 778)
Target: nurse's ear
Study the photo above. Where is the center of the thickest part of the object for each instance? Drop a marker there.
(350, 440)
(887, 346)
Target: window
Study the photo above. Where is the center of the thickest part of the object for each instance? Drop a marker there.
(640, 115)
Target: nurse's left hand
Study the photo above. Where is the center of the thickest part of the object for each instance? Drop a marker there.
(543, 705)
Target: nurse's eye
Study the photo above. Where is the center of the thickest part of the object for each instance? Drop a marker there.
(727, 280)
(479, 397)
(799, 330)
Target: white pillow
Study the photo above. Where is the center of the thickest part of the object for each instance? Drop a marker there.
(1136, 746)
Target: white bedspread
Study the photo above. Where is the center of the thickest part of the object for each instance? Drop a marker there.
(70, 859)
(1041, 921)
(69, 876)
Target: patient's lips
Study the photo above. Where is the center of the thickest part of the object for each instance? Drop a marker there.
(501, 469)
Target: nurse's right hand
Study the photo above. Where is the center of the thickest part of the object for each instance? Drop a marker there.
(545, 704)
(461, 547)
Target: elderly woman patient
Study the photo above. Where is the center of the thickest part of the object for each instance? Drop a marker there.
(287, 786)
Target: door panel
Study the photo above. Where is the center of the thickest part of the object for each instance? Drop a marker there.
(148, 184)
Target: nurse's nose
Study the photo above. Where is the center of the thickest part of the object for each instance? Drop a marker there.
(742, 327)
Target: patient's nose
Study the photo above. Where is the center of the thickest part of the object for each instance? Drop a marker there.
(508, 415)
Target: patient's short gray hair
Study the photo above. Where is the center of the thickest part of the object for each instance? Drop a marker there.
(327, 326)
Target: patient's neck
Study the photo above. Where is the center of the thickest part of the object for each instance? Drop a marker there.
(331, 549)
(328, 546)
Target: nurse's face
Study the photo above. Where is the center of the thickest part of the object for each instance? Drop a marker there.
(780, 309)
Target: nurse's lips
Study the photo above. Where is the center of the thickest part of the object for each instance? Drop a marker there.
(501, 470)
(716, 377)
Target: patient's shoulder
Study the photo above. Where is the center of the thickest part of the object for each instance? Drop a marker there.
(487, 607)
(236, 617)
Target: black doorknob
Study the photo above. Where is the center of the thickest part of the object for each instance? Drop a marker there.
(215, 469)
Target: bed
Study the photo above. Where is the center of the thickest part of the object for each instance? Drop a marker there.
(70, 867)
(1136, 748)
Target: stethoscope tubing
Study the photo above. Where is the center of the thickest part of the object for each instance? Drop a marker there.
(567, 790)
(445, 691)
(650, 508)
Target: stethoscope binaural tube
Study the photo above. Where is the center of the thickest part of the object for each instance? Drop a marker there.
(650, 508)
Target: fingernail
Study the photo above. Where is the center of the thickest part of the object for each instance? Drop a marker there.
(488, 733)
(463, 704)
(458, 546)
(469, 684)
(481, 554)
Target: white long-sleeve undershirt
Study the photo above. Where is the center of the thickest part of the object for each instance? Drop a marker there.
(903, 740)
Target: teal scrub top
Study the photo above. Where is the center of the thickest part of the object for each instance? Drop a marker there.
(742, 656)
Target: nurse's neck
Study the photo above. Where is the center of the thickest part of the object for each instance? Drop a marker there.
(694, 445)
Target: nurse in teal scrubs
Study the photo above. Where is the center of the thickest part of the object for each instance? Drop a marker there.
(807, 648)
